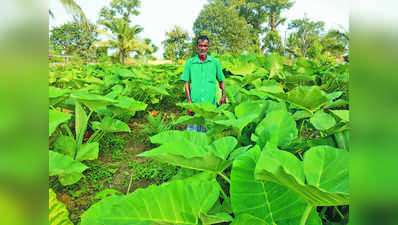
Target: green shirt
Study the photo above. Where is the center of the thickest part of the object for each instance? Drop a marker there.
(202, 76)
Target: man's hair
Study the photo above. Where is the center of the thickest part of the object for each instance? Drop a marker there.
(202, 38)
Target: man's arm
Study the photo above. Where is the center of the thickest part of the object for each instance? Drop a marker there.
(188, 93)
(223, 98)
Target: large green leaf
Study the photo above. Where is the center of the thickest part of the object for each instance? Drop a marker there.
(334, 95)
(299, 79)
(325, 170)
(93, 102)
(337, 103)
(176, 202)
(344, 115)
(190, 150)
(232, 90)
(266, 202)
(242, 68)
(176, 135)
(277, 127)
(110, 125)
(308, 98)
(70, 178)
(125, 73)
(55, 119)
(57, 214)
(54, 92)
(61, 165)
(65, 145)
(245, 112)
(303, 65)
(205, 109)
(88, 151)
(274, 64)
(195, 119)
(81, 120)
(92, 80)
(56, 95)
(322, 120)
(343, 139)
(157, 90)
(216, 218)
(126, 104)
(271, 86)
(301, 114)
(246, 219)
(326, 167)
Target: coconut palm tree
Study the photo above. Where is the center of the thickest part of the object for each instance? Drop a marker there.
(125, 38)
(75, 10)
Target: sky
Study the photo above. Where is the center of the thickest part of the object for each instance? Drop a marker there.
(159, 16)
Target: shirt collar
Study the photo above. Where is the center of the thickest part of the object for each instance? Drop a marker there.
(197, 60)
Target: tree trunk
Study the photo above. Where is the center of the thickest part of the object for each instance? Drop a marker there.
(272, 22)
(121, 56)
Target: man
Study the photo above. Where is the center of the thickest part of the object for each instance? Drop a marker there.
(200, 75)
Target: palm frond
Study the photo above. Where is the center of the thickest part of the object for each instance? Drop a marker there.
(72, 7)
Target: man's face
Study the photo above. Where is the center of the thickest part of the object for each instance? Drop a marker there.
(202, 47)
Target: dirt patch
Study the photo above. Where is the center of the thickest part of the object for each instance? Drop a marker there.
(133, 149)
(120, 178)
(66, 199)
(139, 184)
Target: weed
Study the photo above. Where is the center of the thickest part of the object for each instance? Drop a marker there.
(159, 123)
(116, 155)
(113, 142)
(152, 171)
(98, 175)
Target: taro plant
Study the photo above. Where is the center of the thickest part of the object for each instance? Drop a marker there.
(69, 150)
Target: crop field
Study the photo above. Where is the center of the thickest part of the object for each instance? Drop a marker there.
(276, 153)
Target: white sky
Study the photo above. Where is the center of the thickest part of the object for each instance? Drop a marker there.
(159, 16)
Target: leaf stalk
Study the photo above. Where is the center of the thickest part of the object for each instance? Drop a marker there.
(306, 213)
(225, 177)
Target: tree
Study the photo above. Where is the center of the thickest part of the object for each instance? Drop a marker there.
(315, 50)
(251, 10)
(335, 42)
(176, 44)
(258, 13)
(119, 10)
(273, 8)
(304, 33)
(227, 31)
(149, 51)
(123, 36)
(72, 38)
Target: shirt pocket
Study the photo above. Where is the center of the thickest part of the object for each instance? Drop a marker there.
(212, 80)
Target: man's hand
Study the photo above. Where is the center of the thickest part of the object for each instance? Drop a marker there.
(223, 100)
